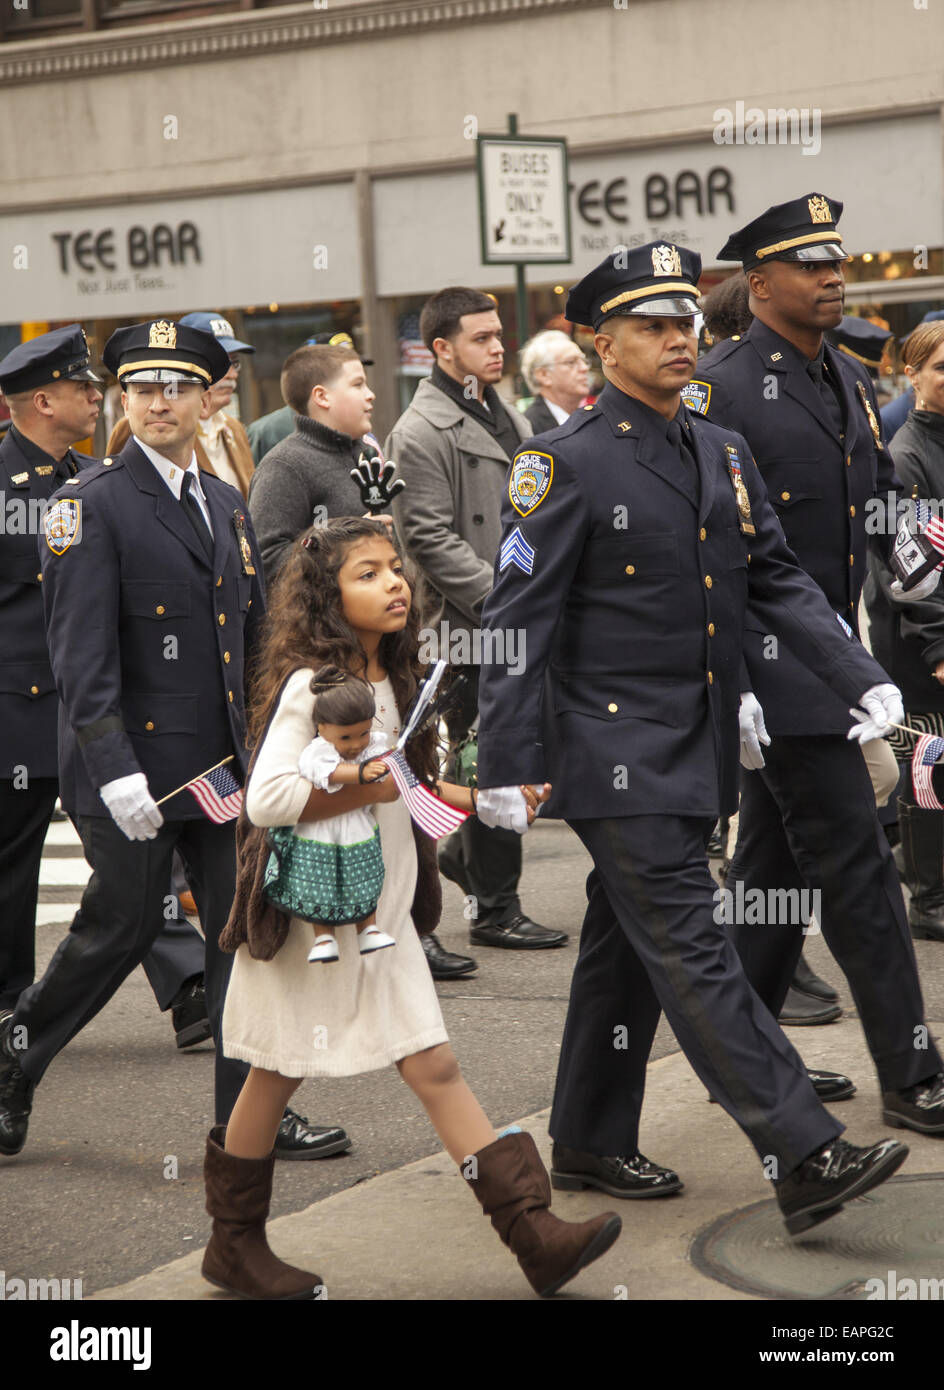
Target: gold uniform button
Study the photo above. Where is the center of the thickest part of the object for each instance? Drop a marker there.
(39, 577)
(711, 629)
(711, 679)
(219, 581)
(785, 496)
(230, 696)
(222, 619)
(159, 609)
(150, 726)
(852, 511)
(630, 569)
(852, 559)
(707, 581)
(848, 460)
(736, 338)
(226, 657)
(34, 689)
(703, 534)
(612, 708)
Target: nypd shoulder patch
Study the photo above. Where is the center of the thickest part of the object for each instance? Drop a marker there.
(62, 524)
(530, 481)
(515, 550)
(697, 395)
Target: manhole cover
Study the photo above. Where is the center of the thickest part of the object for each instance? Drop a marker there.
(893, 1235)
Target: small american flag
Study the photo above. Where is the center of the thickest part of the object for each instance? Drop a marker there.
(931, 524)
(928, 750)
(431, 814)
(218, 795)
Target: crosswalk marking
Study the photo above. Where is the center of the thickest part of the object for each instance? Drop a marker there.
(63, 875)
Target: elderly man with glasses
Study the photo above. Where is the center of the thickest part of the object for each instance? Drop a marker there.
(556, 371)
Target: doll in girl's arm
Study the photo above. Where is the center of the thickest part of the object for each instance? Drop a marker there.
(331, 871)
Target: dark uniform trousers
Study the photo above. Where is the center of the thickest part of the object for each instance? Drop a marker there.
(486, 861)
(121, 916)
(808, 819)
(650, 941)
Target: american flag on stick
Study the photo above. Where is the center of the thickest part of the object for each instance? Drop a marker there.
(430, 812)
(931, 524)
(218, 795)
(928, 751)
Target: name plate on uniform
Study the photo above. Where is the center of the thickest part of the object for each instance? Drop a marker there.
(915, 553)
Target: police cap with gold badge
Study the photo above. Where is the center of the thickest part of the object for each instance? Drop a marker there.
(861, 339)
(658, 280)
(801, 230)
(162, 351)
(62, 355)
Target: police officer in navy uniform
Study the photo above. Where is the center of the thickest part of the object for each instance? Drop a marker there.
(54, 400)
(154, 599)
(807, 813)
(54, 397)
(633, 536)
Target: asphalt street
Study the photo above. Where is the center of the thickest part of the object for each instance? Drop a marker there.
(93, 1195)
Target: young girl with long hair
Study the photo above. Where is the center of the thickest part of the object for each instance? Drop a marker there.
(343, 598)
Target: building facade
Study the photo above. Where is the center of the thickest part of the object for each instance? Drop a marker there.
(305, 167)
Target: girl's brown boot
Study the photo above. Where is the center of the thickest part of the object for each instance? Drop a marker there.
(238, 1258)
(512, 1185)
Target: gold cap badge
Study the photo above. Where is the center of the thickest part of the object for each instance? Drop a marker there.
(820, 210)
(666, 261)
(162, 335)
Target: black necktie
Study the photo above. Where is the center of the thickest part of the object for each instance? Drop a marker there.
(827, 394)
(195, 516)
(678, 438)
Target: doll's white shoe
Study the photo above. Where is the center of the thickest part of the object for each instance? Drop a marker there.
(373, 939)
(324, 949)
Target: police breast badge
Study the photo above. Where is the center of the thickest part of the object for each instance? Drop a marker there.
(530, 481)
(242, 540)
(867, 405)
(696, 396)
(740, 491)
(62, 525)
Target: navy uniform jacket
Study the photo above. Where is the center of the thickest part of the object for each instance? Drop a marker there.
(820, 487)
(148, 642)
(634, 611)
(28, 704)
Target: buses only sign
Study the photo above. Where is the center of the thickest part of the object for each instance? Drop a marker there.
(524, 211)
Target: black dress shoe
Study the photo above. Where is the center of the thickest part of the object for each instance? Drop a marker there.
(629, 1175)
(804, 979)
(832, 1175)
(805, 1010)
(443, 964)
(298, 1139)
(16, 1093)
(919, 1107)
(189, 1013)
(519, 934)
(828, 1085)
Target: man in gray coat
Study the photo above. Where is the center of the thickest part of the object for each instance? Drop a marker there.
(453, 446)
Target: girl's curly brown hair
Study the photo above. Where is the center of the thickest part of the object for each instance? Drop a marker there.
(306, 627)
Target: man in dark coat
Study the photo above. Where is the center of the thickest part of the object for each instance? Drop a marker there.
(807, 815)
(556, 371)
(634, 536)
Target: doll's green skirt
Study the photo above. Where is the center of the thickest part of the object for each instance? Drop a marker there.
(327, 884)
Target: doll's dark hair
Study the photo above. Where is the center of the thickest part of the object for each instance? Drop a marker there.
(305, 626)
(340, 698)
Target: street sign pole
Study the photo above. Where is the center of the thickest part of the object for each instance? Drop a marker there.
(521, 288)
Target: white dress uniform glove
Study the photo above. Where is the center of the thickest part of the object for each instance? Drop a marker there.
(503, 807)
(132, 808)
(923, 589)
(883, 707)
(753, 733)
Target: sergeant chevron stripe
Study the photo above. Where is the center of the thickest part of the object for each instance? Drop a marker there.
(516, 551)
